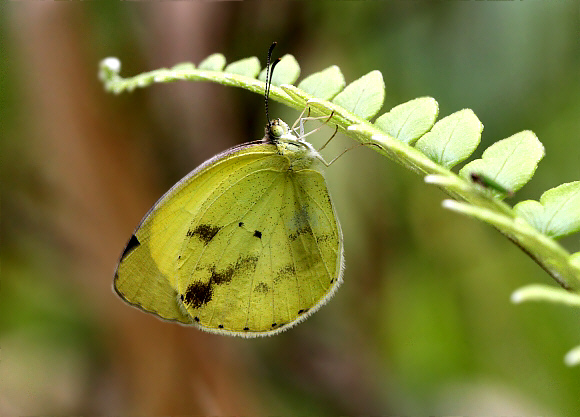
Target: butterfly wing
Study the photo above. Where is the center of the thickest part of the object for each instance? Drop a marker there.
(242, 245)
(145, 276)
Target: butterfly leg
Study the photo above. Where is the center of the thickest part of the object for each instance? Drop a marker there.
(327, 164)
(302, 120)
(299, 120)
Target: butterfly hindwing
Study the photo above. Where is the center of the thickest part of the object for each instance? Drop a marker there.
(266, 260)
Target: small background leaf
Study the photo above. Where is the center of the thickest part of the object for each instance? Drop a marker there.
(558, 212)
(540, 292)
(286, 72)
(214, 62)
(452, 139)
(411, 120)
(249, 67)
(324, 84)
(510, 162)
(363, 97)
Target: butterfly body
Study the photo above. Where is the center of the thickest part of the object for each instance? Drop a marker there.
(247, 244)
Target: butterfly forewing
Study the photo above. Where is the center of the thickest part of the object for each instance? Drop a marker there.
(146, 275)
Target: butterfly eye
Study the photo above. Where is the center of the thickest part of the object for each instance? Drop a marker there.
(278, 128)
(277, 131)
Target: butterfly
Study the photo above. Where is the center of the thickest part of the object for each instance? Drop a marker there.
(247, 244)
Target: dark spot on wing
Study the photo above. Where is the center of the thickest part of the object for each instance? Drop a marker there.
(132, 244)
(273, 324)
(302, 311)
(262, 287)
(221, 277)
(332, 280)
(258, 234)
(303, 230)
(198, 294)
(287, 271)
(240, 224)
(246, 264)
(196, 319)
(221, 326)
(205, 232)
(246, 328)
(243, 264)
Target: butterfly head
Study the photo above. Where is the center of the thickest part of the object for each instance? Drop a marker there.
(277, 129)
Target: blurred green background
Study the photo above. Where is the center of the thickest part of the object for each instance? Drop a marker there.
(422, 324)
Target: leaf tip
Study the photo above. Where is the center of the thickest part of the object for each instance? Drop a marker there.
(431, 179)
(437, 179)
(517, 297)
(111, 64)
(450, 204)
(572, 358)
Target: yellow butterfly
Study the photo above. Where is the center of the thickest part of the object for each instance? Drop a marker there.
(247, 244)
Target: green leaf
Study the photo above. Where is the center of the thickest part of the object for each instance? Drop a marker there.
(452, 139)
(540, 292)
(324, 84)
(363, 97)
(286, 72)
(510, 162)
(558, 212)
(411, 120)
(214, 62)
(250, 67)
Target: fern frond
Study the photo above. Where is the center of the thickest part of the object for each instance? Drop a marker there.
(410, 135)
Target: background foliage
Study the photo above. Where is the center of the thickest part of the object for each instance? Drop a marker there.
(423, 322)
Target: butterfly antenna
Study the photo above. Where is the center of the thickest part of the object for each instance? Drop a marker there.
(269, 73)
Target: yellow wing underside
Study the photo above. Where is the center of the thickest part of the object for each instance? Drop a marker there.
(244, 245)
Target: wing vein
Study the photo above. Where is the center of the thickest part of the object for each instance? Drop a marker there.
(313, 235)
